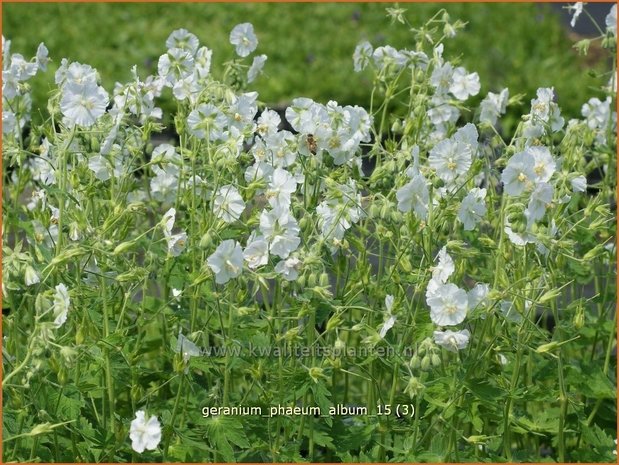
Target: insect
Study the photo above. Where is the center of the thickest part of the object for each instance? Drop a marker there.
(311, 144)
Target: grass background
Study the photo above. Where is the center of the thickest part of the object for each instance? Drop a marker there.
(521, 46)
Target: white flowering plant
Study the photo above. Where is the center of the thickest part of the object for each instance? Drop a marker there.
(406, 282)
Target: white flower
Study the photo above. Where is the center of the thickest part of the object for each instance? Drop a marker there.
(448, 305)
(207, 121)
(493, 106)
(228, 204)
(387, 56)
(144, 434)
(243, 38)
(598, 113)
(545, 164)
(281, 229)
(464, 85)
(414, 196)
(184, 40)
(203, 62)
(577, 10)
(289, 268)
(362, 56)
(540, 198)
(83, 105)
(450, 159)
(579, 184)
(227, 261)
(175, 65)
(545, 110)
(176, 243)
(611, 21)
(390, 319)
(168, 220)
(31, 276)
(452, 341)
(257, 252)
(473, 208)
(268, 122)
(61, 305)
(186, 347)
(256, 68)
(445, 267)
(280, 188)
(478, 295)
(164, 184)
(519, 174)
(42, 57)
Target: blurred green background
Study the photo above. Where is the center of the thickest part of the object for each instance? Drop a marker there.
(521, 46)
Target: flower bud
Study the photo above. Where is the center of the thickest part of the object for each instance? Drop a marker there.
(414, 387)
(426, 363)
(316, 373)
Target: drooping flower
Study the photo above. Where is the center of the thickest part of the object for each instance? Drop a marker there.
(445, 267)
(144, 434)
(577, 11)
(540, 198)
(414, 195)
(611, 20)
(448, 305)
(62, 302)
(256, 252)
(281, 229)
(390, 319)
(493, 106)
(256, 68)
(463, 84)
(243, 38)
(31, 276)
(452, 340)
(473, 208)
(362, 56)
(228, 203)
(289, 268)
(227, 261)
(579, 184)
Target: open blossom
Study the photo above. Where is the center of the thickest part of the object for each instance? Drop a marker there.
(448, 305)
(83, 105)
(473, 208)
(31, 276)
(206, 121)
(243, 38)
(519, 174)
(257, 251)
(176, 243)
(227, 261)
(545, 110)
(450, 158)
(62, 302)
(228, 204)
(415, 196)
(463, 84)
(452, 340)
(280, 188)
(144, 434)
(175, 65)
(579, 184)
(184, 40)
